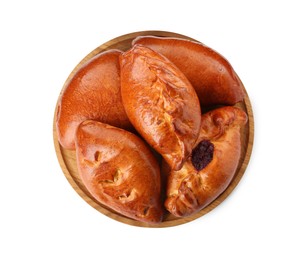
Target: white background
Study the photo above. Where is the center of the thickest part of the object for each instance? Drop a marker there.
(42, 217)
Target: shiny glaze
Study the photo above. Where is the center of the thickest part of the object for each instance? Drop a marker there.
(189, 190)
(161, 103)
(92, 93)
(119, 170)
(211, 74)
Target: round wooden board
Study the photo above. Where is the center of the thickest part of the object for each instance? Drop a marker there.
(67, 158)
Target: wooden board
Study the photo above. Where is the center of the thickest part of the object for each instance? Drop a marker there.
(67, 159)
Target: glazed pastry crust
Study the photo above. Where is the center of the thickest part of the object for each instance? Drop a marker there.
(161, 103)
(190, 190)
(211, 75)
(119, 171)
(92, 93)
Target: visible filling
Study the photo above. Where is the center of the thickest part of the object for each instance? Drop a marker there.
(202, 154)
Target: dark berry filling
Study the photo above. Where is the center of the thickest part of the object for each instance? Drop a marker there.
(202, 154)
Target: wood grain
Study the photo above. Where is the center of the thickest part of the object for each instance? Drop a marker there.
(67, 159)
